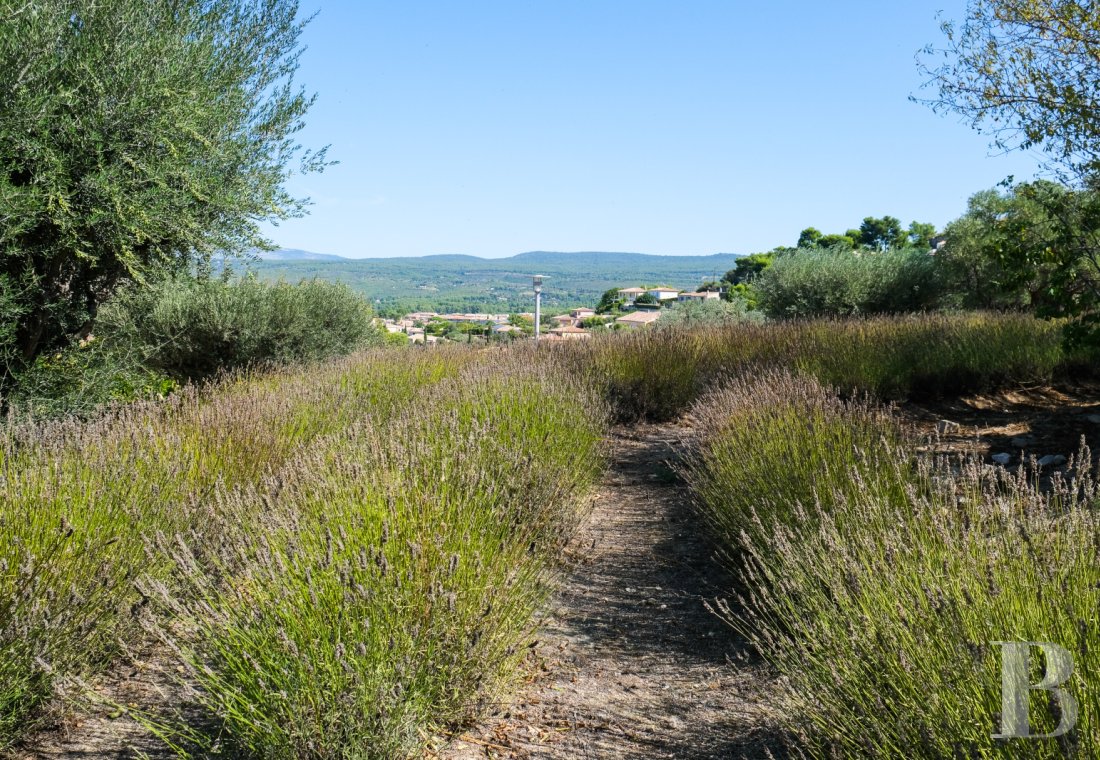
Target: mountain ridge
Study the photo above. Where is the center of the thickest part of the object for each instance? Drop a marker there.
(460, 282)
(298, 254)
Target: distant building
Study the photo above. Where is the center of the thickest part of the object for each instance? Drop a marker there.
(704, 295)
(663, 294)
(563, 320)
(583, 313)
(570, 332)
(630, 294)
(498, 319)
(638, 318)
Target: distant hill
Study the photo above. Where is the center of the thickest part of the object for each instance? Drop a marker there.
(459, 282)
(293, 254)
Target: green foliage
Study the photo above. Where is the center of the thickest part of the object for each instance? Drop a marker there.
(882, 234)
(10, 312)
(809, 238)
(971, 256)
(748, 268)
(1024, 71)
(704, 313)
(921, 234)
(193, 329)
(882, 579)
(136, 135)
(330, 600)
(83, 379)
(395, 339)
(610, 302)
(743, 293)
(1035, 245)
(838, 241)
(656, 374)
(647, 299)
(840, 282)
(874, 233)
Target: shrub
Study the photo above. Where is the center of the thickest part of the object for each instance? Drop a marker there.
(879, 594)
(655, 374)
(172, 515)
(192, 329)
(708, 314)
(771, 445)
(840, 282)
(10, 312)
(398, 571)
(82, 379)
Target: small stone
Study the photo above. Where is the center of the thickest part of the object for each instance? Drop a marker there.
(1093, 418)
(1002, 458)
(1052, 459)
(947, 426)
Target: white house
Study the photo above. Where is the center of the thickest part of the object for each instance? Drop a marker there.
(705, 295)
(663, 294)
(629, 294)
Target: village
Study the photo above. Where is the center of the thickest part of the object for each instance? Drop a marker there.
(635, 307)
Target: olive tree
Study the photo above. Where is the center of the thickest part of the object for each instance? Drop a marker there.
(1025, 72)
(138, 136)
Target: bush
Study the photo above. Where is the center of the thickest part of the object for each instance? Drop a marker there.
(82, 379)
(385, 599)
(10, 312)
(192, 329)
(171, 515)
(879, 593)
(708, 313)
(655, 374)
(771, 445)
(839, 282)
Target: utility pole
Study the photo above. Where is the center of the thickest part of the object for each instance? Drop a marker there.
(538, 304)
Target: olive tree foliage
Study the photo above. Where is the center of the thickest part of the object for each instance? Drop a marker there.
(1035, 245)
(1025, 72)
(138, 136)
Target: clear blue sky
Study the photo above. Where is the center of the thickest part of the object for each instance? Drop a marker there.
(690, 127)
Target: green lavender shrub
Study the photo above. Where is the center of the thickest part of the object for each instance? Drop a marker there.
(82, 502)
(390, 585)
(655, 374)
(770, 447)
(879, 596)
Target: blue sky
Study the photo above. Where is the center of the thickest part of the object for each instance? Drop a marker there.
(690, 127)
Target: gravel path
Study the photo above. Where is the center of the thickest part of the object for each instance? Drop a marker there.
(632, 664)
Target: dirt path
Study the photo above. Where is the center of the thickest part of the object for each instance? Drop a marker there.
(633, 664)
(102, 731)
